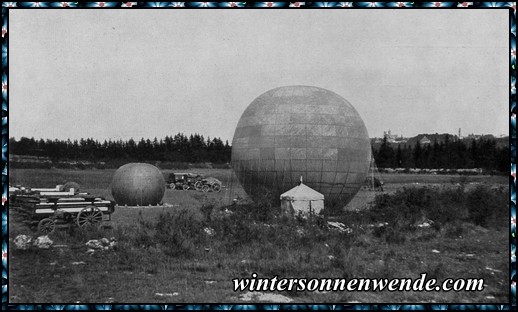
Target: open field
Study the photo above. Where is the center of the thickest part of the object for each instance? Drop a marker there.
(164, 250)
(97, 182)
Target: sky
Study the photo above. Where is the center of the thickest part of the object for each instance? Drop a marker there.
(120, 74)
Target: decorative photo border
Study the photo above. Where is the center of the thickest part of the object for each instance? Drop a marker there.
(511, 6)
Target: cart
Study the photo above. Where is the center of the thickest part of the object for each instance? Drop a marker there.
(50, 210)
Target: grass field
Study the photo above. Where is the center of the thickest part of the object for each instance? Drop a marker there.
(165, 251)
(97, 182)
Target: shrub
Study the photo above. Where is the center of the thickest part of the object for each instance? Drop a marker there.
(486, 207)
(206, 209)
(405, 208)
(260, 211)
(175, 234)
(447, 205)
(393, 236)
(453, 230)
(402, 208)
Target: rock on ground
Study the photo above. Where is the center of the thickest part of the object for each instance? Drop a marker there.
(259, 296)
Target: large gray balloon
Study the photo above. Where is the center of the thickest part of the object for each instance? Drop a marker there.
(138, 184)
(295, 131)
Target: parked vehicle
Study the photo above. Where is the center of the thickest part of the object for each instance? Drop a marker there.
(193, 181)
(209, 184)
(183, 181)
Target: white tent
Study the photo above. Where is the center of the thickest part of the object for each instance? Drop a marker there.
(302, 199)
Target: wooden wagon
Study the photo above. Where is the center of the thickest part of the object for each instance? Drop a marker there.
(51, 209)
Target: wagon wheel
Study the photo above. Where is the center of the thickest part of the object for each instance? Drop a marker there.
(216, 187)
(185, 187)
(172, 186)
(198, 185)
(205, 188)
(89, 216)
(46, 226)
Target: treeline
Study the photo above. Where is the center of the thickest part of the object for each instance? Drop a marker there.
(448, 154)
(179, 148)
(459, 154)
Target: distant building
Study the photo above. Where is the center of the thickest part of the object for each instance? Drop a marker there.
(431, 138)
(479, 136)
(425, 140)
(393, 138)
